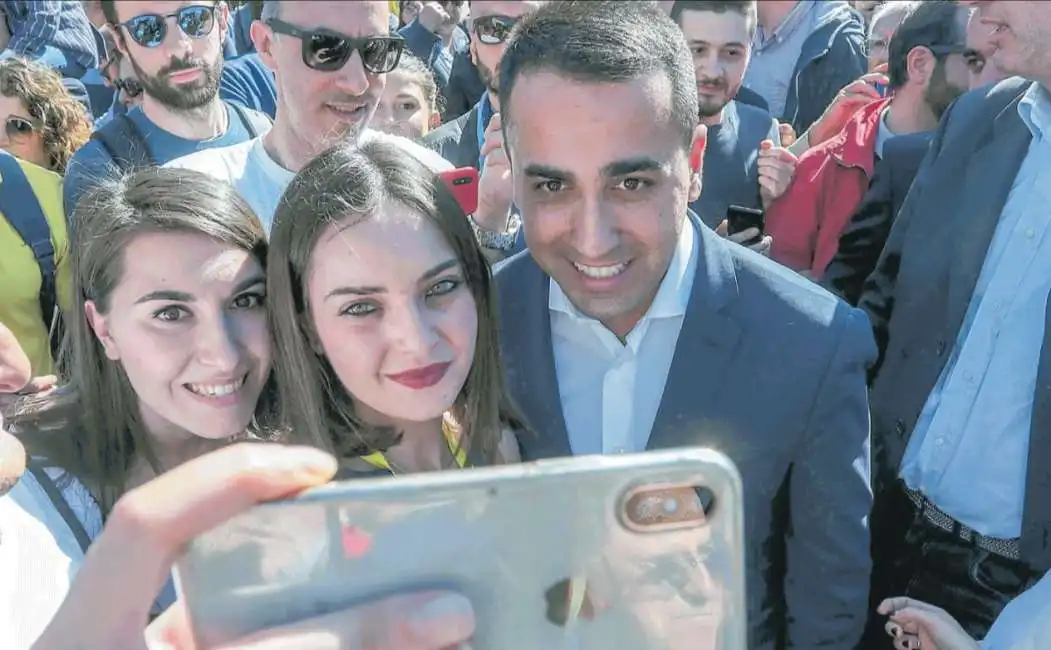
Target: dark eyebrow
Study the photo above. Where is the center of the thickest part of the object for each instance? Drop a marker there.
(368, 291)
(182, 296)
(632, 166)
(544, 171)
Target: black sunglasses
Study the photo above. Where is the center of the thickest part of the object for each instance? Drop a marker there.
(946, 50)
(150, 30)
(131, 87)
(17, 128)
(493, 30)
(327, 51)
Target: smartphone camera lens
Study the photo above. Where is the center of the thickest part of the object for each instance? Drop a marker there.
(655, 508)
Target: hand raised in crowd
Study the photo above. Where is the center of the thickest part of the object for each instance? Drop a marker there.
(855, 95)
(915, 625)
(762, 246)
(109, 601)
(410, 9)
(433, 17)
(16, 378)
(776, 165)
(495, 187)
(787, 134)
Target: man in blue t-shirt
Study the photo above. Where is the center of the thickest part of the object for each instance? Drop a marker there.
(181, 110)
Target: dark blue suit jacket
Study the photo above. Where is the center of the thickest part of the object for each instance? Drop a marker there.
(770, 369)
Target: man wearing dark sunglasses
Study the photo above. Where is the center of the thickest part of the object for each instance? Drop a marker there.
(330, 59)
(475, 139)
(175, 50)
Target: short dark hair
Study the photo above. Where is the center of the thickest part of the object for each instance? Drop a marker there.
(109, 10)
(601, 41)
(746, 8)
(933, 24)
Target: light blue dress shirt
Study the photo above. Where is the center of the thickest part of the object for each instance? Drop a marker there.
(1025, 624)
(774, 55)
(969, 451)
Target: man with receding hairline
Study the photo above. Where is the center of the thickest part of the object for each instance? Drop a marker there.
(628, 325)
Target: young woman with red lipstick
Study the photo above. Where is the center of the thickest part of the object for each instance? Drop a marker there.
(384, 325)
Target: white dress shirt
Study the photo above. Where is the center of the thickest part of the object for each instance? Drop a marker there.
(611, 391)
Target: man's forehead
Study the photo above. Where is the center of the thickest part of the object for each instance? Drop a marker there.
(128, 9)
(503, 7)
(362, 17)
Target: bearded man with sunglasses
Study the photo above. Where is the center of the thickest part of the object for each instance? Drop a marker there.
(330, 61)
(176, 51)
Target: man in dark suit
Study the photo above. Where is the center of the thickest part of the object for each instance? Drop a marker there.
(961, 403)
(630, 326)
(863, 239)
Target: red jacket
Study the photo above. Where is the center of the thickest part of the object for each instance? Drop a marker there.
(830, 181)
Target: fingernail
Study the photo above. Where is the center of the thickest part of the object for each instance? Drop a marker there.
(445, 620)
(896, 631)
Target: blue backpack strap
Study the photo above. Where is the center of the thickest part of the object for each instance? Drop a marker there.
(254, 122)
(60, 503)
(125, 144)
(22, 209)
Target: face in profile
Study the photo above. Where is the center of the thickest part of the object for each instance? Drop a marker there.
(393, 315)
(603, 188)
(720, 42)
(186, 323)
(1019, 33)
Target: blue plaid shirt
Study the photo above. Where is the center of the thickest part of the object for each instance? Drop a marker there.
(62, 24)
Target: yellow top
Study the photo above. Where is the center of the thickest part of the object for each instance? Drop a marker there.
(377, 459)
(20, 275)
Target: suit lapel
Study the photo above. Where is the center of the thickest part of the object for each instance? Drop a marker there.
(531, 365)
(705, 349)
(989, 175)
(1036, 521)
(468, 153)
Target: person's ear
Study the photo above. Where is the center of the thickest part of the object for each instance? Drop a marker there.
(100, 327)
(263, 40)
(435, 120)
(697, 148)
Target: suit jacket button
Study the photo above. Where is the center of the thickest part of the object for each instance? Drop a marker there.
(941, 348)
(899, 427)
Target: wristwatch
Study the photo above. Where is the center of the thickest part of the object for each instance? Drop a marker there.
(497, 241)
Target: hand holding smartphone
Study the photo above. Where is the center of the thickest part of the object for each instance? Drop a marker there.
(739, 219)
(633, 551)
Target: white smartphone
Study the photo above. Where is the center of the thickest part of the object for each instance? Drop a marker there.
(636, 552)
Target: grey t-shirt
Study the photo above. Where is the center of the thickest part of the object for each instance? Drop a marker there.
(731, 173)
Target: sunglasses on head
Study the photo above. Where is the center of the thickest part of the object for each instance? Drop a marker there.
(150, 30)
(327, 51)
(17, 128)
(130, 87)
(493, 30)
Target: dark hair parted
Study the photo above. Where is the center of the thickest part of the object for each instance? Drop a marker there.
(746, 8)
(933, 24)
(349, 184)
(600, 41)
(91, 427)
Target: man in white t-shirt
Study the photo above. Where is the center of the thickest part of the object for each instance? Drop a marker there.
(327, 90)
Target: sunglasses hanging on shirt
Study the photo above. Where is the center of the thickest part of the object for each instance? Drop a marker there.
(150, 30)
(327, 51)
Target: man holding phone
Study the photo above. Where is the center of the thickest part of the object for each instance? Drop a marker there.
(927, 72)
(746, 166)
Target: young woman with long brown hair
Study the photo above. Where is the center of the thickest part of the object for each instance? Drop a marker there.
(383, 317)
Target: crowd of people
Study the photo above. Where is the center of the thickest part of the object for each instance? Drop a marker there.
(230, 270)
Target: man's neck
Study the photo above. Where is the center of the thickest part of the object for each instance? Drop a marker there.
(286, 148)
(209, 121)
(908, 113)
(494, 101)
(771, 14)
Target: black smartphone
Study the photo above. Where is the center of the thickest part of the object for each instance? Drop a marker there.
(739, 219)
